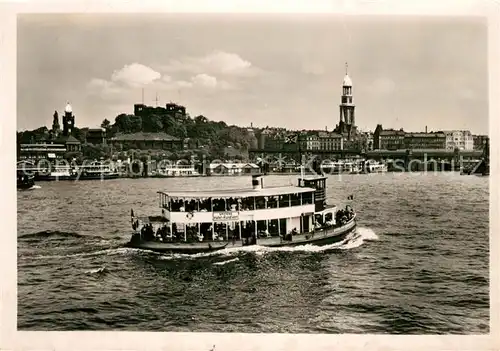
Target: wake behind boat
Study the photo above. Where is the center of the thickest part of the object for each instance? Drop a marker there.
(203, 221)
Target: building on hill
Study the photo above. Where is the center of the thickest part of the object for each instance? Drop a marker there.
(141, 140)
(189, 144)
(170, 108)
(96, 136)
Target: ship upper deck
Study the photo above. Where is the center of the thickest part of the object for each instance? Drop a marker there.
(237, 193)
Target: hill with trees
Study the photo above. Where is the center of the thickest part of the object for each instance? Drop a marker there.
(209, 138)
(212, 137)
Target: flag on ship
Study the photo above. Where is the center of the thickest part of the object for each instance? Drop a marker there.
(291, 139)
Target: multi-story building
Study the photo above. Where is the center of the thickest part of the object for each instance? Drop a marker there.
(309, 141)
(96, 136)
(271, 138)
(459, 139)
(365, 141)
(330, 141)
(479, 141)
(433, 140)
(388, 139)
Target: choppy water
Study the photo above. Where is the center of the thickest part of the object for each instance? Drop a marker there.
(418, 263)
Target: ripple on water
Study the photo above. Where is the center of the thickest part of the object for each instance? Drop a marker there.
(417, 264)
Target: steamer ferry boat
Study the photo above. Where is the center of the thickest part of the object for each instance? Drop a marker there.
(176, 171)
(202, 221)
(97, 170)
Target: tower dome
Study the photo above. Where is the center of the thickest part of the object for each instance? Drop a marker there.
(68, 108)
(347, 81)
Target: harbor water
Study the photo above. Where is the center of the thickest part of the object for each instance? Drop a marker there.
(417, 264)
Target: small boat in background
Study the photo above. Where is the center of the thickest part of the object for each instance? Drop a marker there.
(97, 170)
(57, 172)
(373, 167)
(176, 171)
(25, 181)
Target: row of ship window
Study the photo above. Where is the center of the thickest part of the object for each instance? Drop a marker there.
(238, 204)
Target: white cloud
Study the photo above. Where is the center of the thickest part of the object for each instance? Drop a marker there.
(217, 62)
(225, 62)
(121, 80)
(103, 86)
(135, 74)
(204, 80)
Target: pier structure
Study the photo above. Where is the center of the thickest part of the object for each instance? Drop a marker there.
(397, 160)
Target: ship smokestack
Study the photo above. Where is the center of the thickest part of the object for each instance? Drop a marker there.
(257, 183)
(426, 129)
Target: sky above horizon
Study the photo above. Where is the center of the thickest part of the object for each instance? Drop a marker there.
(269, 70)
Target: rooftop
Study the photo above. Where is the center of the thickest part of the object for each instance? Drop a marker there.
(233, 165)
(72, 140)
(425, 135)
(227, 193)
(392, 132)
(142, 136)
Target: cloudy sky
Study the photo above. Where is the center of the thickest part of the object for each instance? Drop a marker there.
(276, 70)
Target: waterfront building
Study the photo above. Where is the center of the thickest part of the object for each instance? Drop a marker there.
(53, 144)
(365, 141)
(479, 141)
(330, 141)
(142, 140)
(432, 140)
(309, 141)
(41, 151)
(388, 139)
(459, 139)
(347, 123)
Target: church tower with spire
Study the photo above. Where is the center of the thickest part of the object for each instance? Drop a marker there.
(347, 122)
(56, 128)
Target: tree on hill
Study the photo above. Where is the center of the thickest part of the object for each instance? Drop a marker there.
(106, 124)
